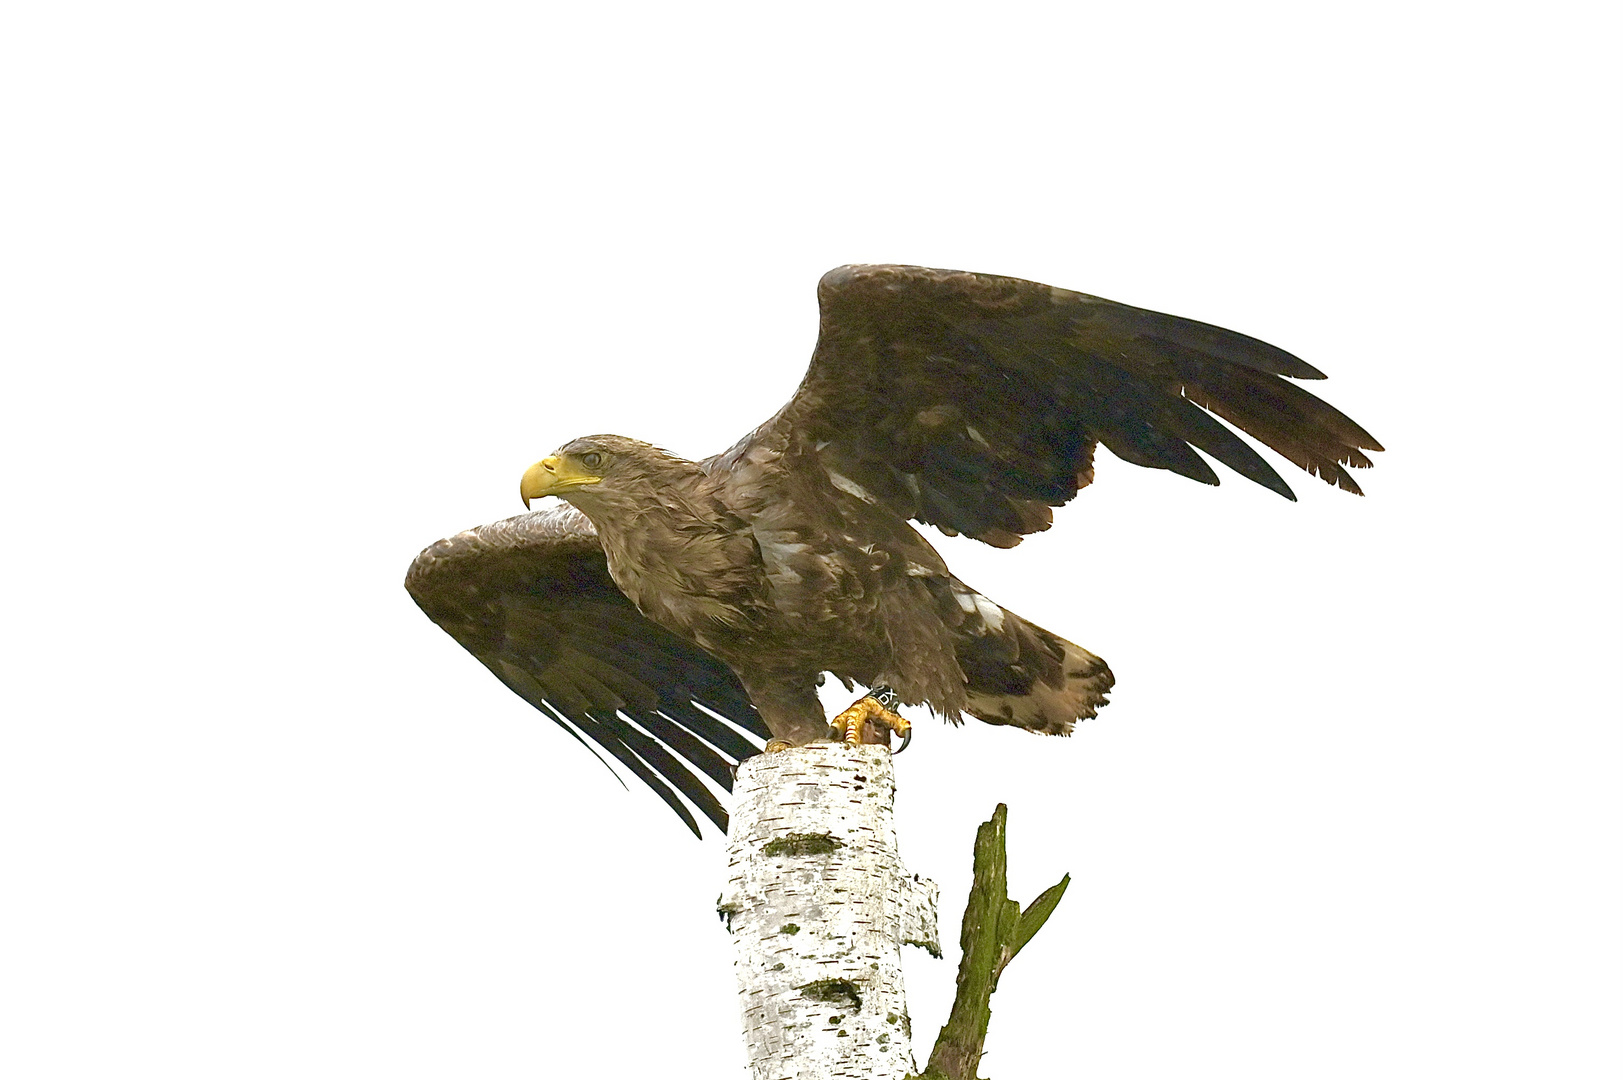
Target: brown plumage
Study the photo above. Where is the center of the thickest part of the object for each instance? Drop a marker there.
(673, 593)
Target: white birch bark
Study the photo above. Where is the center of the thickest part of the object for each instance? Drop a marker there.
(819, 905)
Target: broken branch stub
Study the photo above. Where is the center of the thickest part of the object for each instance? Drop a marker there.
(994, 932)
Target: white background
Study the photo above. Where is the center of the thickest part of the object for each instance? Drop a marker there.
(291, 290)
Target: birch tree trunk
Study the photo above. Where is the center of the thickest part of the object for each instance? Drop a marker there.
(819, 905)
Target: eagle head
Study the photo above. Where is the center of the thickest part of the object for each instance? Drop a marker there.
(587, 462)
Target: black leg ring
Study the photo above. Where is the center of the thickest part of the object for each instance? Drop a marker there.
(887, 697)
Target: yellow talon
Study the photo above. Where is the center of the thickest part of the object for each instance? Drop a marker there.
(774, 746)
(880, 720)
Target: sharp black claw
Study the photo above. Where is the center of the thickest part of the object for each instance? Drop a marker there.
(907, 737)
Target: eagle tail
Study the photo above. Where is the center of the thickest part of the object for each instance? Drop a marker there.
(1020, 675)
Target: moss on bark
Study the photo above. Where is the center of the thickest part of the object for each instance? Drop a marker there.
(994, 932)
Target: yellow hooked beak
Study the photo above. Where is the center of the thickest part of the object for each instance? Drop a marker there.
(550, 476)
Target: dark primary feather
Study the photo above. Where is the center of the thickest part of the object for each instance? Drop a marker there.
(974, 402)
(531, 597)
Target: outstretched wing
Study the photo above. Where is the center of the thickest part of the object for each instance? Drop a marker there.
(531, 597)
(975, 402)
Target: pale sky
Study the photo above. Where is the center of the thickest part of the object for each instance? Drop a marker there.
(293, 290)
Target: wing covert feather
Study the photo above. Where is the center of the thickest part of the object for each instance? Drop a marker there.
(532, 599)
(975, 402)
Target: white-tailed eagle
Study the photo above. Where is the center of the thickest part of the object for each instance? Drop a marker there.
(677, 612)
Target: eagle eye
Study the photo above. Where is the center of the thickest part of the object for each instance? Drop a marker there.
(591, 460)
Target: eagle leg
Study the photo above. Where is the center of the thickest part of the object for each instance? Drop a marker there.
(875, 711)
